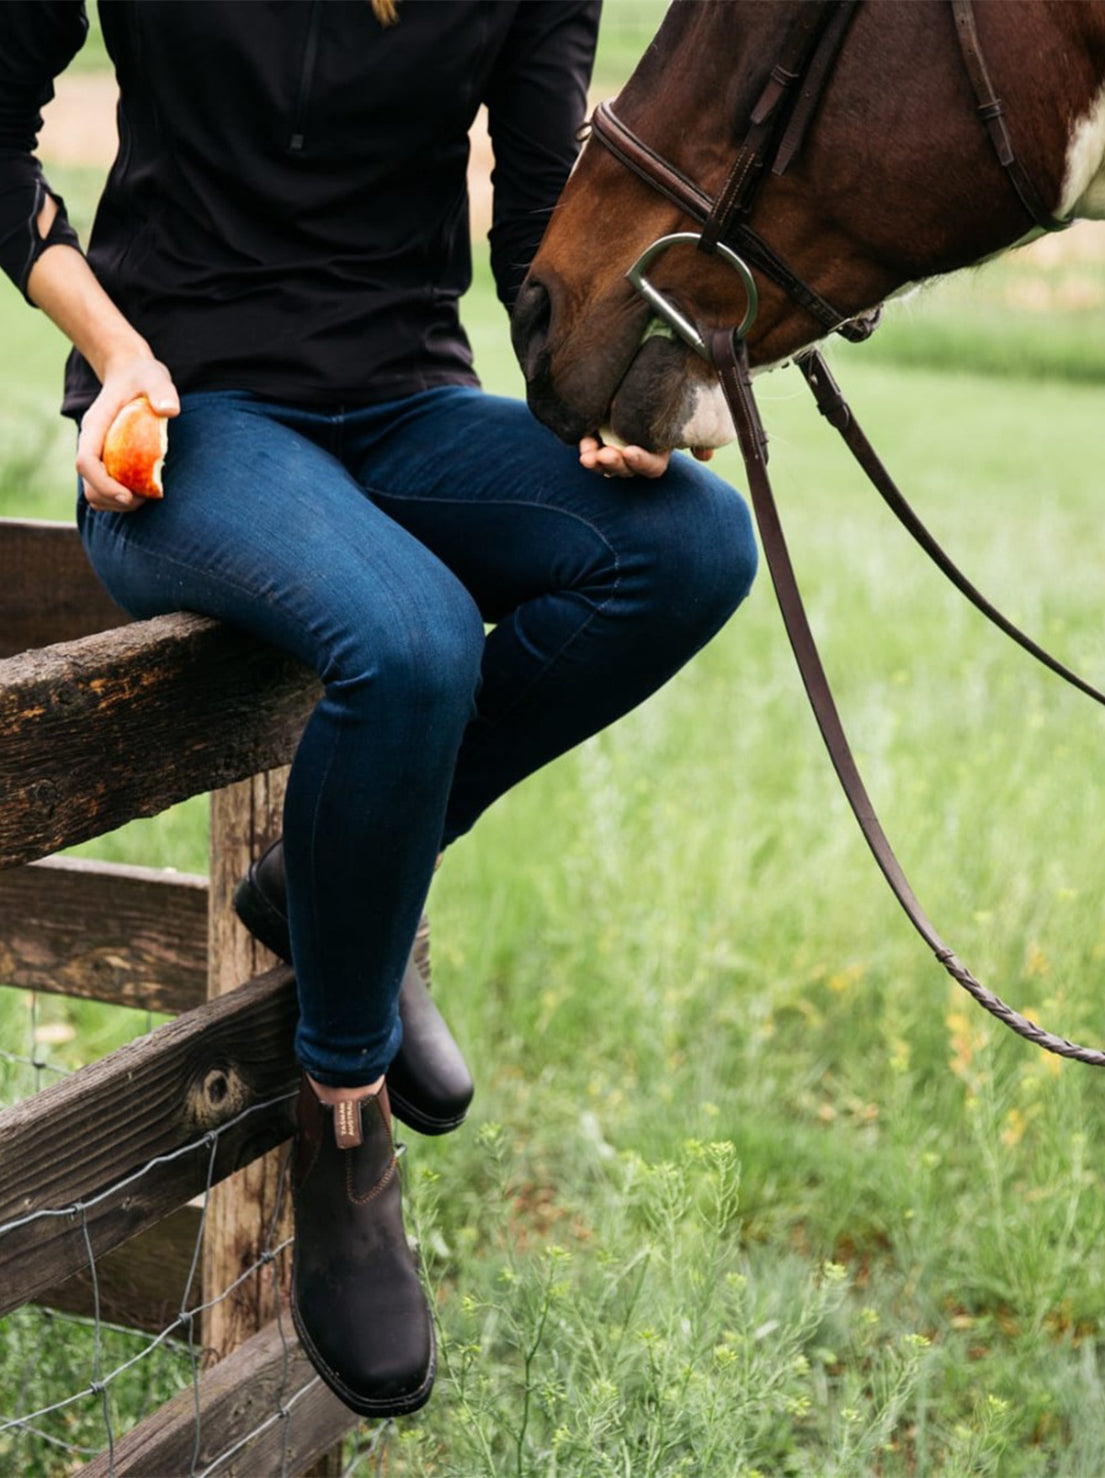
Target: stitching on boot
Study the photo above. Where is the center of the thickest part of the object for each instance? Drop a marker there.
(380, 1185)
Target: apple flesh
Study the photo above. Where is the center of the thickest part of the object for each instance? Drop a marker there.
(135, 447)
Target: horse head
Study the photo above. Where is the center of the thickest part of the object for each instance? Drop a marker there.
(867, 160)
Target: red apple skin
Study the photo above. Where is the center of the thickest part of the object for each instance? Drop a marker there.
(135, 447)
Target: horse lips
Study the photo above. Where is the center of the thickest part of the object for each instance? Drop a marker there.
(135, 447)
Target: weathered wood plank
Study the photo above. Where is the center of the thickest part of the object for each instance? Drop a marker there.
(265, 1376)
(244, 1214)
(126, 723)
(142, 1285)
(82, 1139)
(132, 936)
(48, 590)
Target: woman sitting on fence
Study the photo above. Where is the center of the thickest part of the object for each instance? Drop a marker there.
(276, 263)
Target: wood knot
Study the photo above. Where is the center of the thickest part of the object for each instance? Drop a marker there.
(44, 797)
(216, 1086)
(218, 1096)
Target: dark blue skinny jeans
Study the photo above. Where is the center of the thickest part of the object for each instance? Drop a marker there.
(376, 543)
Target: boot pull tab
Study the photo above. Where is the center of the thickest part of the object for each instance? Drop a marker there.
(347, 1125)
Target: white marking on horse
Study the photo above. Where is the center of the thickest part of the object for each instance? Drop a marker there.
(710, 422)
(1083, 192)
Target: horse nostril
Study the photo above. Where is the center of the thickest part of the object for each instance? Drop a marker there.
(529, 325)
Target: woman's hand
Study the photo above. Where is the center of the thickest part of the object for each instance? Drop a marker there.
(64, 287)
(629, 461)
(124, 381)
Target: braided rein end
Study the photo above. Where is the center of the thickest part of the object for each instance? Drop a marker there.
(1037, 1035)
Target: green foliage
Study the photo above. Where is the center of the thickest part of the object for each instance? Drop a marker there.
(47, 1358)
(627, 28)
(92, 56)
(1035, 314)
(651, 1344)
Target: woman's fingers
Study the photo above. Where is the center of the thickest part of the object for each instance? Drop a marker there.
(645, 464)
(122, 383)
(627, 461)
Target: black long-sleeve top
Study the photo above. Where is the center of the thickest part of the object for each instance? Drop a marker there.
(288, 212)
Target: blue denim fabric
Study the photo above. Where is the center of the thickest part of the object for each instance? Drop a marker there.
(375, 543)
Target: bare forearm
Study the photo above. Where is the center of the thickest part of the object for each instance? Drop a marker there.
(64, 286)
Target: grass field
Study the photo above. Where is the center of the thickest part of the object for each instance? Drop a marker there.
(748, 1187)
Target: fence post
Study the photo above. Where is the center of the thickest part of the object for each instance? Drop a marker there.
(245, 817)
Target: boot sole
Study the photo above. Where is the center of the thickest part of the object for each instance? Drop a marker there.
(414, 1119)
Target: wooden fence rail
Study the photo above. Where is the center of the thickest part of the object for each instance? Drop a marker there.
(262, 1379)
(103, 720)
(48, 590)
(70, 1144)
(128, 722)
(131, 936)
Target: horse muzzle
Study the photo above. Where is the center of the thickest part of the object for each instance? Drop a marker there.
(530, 335)
(572, 379)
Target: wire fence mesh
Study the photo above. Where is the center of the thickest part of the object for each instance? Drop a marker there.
(72, 1386)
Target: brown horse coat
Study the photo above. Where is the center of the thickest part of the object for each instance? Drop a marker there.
(896, 181)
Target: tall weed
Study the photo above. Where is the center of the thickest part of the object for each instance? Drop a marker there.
(648, 1343)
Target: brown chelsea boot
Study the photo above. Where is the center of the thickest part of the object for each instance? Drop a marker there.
(357, 1299)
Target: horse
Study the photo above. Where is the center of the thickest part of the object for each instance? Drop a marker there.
(845, 151)
(833, 153)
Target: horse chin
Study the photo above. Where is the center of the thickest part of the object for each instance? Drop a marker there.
(669, 398)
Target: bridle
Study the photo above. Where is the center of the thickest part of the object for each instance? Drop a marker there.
(777, 123)
(777, 126)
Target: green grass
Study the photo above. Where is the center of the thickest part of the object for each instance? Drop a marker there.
(626, 29)
(749, 1187)
(1039, 312)
(692, 944)
(92, 56)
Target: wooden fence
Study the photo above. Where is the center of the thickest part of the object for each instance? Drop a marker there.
(103, 720)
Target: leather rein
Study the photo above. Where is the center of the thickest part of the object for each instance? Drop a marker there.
(778, 124)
